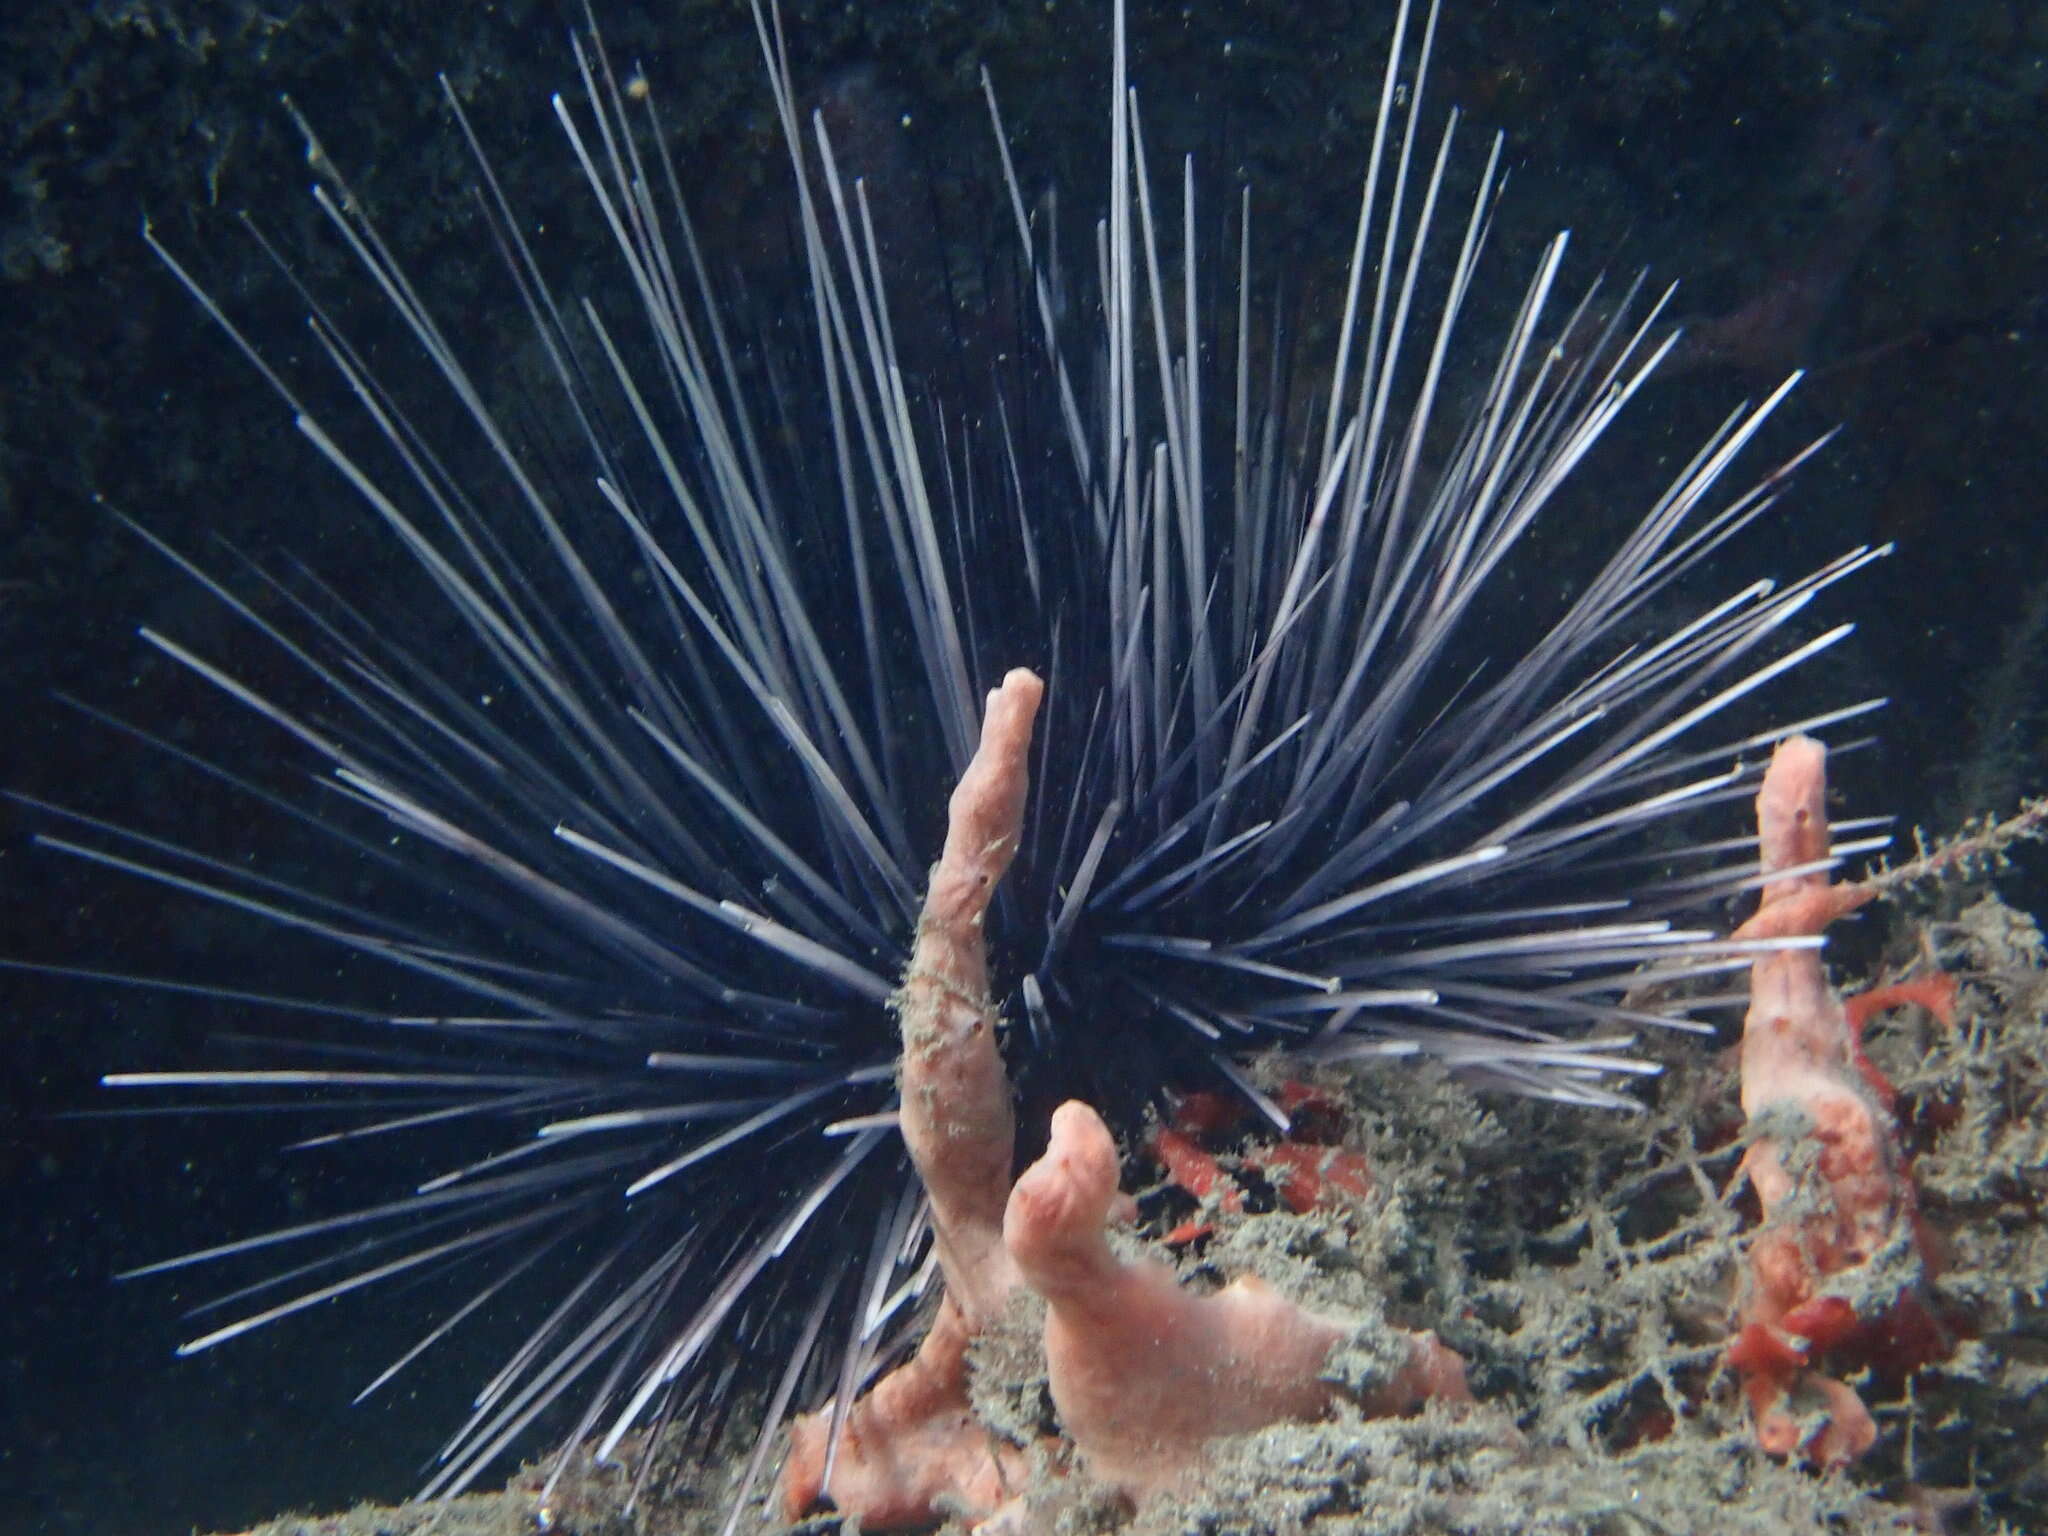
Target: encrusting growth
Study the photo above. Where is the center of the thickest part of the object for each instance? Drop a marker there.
(1144, 1373)
(914, 1441)
(1839, 1262)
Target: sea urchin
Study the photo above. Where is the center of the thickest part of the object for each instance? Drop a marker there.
(630, 792)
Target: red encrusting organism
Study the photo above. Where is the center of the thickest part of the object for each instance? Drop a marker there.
(1308, 1169)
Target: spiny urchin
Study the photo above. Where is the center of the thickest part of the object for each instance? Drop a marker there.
(631, 792)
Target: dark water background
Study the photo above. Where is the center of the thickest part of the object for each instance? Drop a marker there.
(1857, 190)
